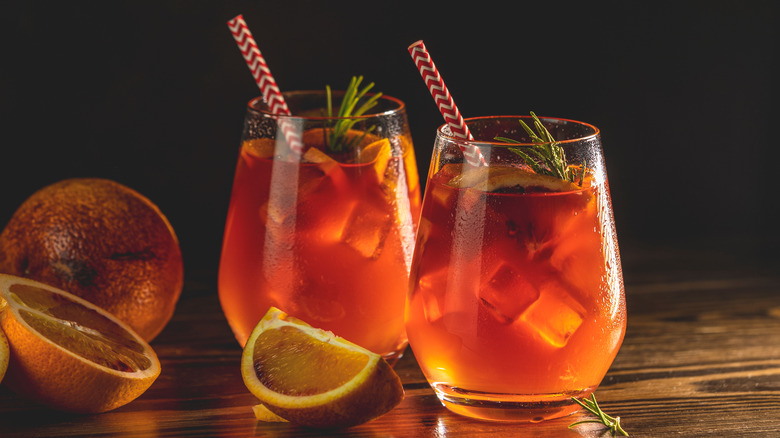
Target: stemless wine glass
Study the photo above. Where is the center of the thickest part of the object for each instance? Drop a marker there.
(325, 234)
(516, 299)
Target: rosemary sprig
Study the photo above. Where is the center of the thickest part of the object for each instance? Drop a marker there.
(351, 106)
(590, 405)
(545, 150)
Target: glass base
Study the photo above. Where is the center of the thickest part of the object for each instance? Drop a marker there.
(393, 357)
(508, 407)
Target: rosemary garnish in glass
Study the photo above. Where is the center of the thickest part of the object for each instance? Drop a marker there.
(336, 139)
(546, 151)
(590, 405)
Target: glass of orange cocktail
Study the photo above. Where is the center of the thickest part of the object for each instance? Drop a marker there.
(325, 233)
(516, 299)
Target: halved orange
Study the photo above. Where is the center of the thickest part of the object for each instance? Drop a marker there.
(3, 354)
(69, 354)
(311, 377)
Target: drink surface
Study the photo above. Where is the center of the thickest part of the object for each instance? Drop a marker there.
(327, 241)
(515, 291)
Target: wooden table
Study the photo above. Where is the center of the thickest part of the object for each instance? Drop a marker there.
(701, 357)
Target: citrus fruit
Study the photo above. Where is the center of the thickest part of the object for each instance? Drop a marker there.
(69, 354)
(3, 355)
(263, 414)
(102, 241)
(491, 179)
(311, 377)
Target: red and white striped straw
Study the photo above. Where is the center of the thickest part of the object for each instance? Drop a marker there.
(422, 59)
(265, 81)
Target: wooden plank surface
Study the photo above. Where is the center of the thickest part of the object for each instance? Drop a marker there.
(701, 357)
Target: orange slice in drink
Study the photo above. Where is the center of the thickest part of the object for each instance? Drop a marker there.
(311, 377)
(260, 147)
(529, 181)
(491, 179)
(68, 353)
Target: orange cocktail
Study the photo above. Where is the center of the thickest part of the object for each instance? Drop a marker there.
(326, 236)
(516, 300)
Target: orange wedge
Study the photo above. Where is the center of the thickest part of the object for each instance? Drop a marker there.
(313, 378)
(68, 353)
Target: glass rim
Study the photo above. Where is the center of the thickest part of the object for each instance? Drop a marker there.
(440, 131)
(254, 106)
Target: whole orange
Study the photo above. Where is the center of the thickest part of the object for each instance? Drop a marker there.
(102, 241)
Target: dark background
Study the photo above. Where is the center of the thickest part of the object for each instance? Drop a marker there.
(152, 94)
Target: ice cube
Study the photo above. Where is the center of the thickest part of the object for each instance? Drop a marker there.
(539, 234)
(441, 194)
(431, 308)
(328, 228)
(284, 197)
(556, 315)
(366, 230)
(449, 171)
(535, 240)
(292, 184)
(325, 162)
(322, 307)
(578, 258)
(329, 166)
(378, 154)
(279, 212)
(507, 294)
(434, 282)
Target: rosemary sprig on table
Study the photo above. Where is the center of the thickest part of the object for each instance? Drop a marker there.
(546, 151)
(336, 140)
(590, 405)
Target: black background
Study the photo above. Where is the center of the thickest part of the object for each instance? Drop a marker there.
(152, 94)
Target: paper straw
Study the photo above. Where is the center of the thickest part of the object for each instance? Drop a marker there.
(422, 59)
(265, 81)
